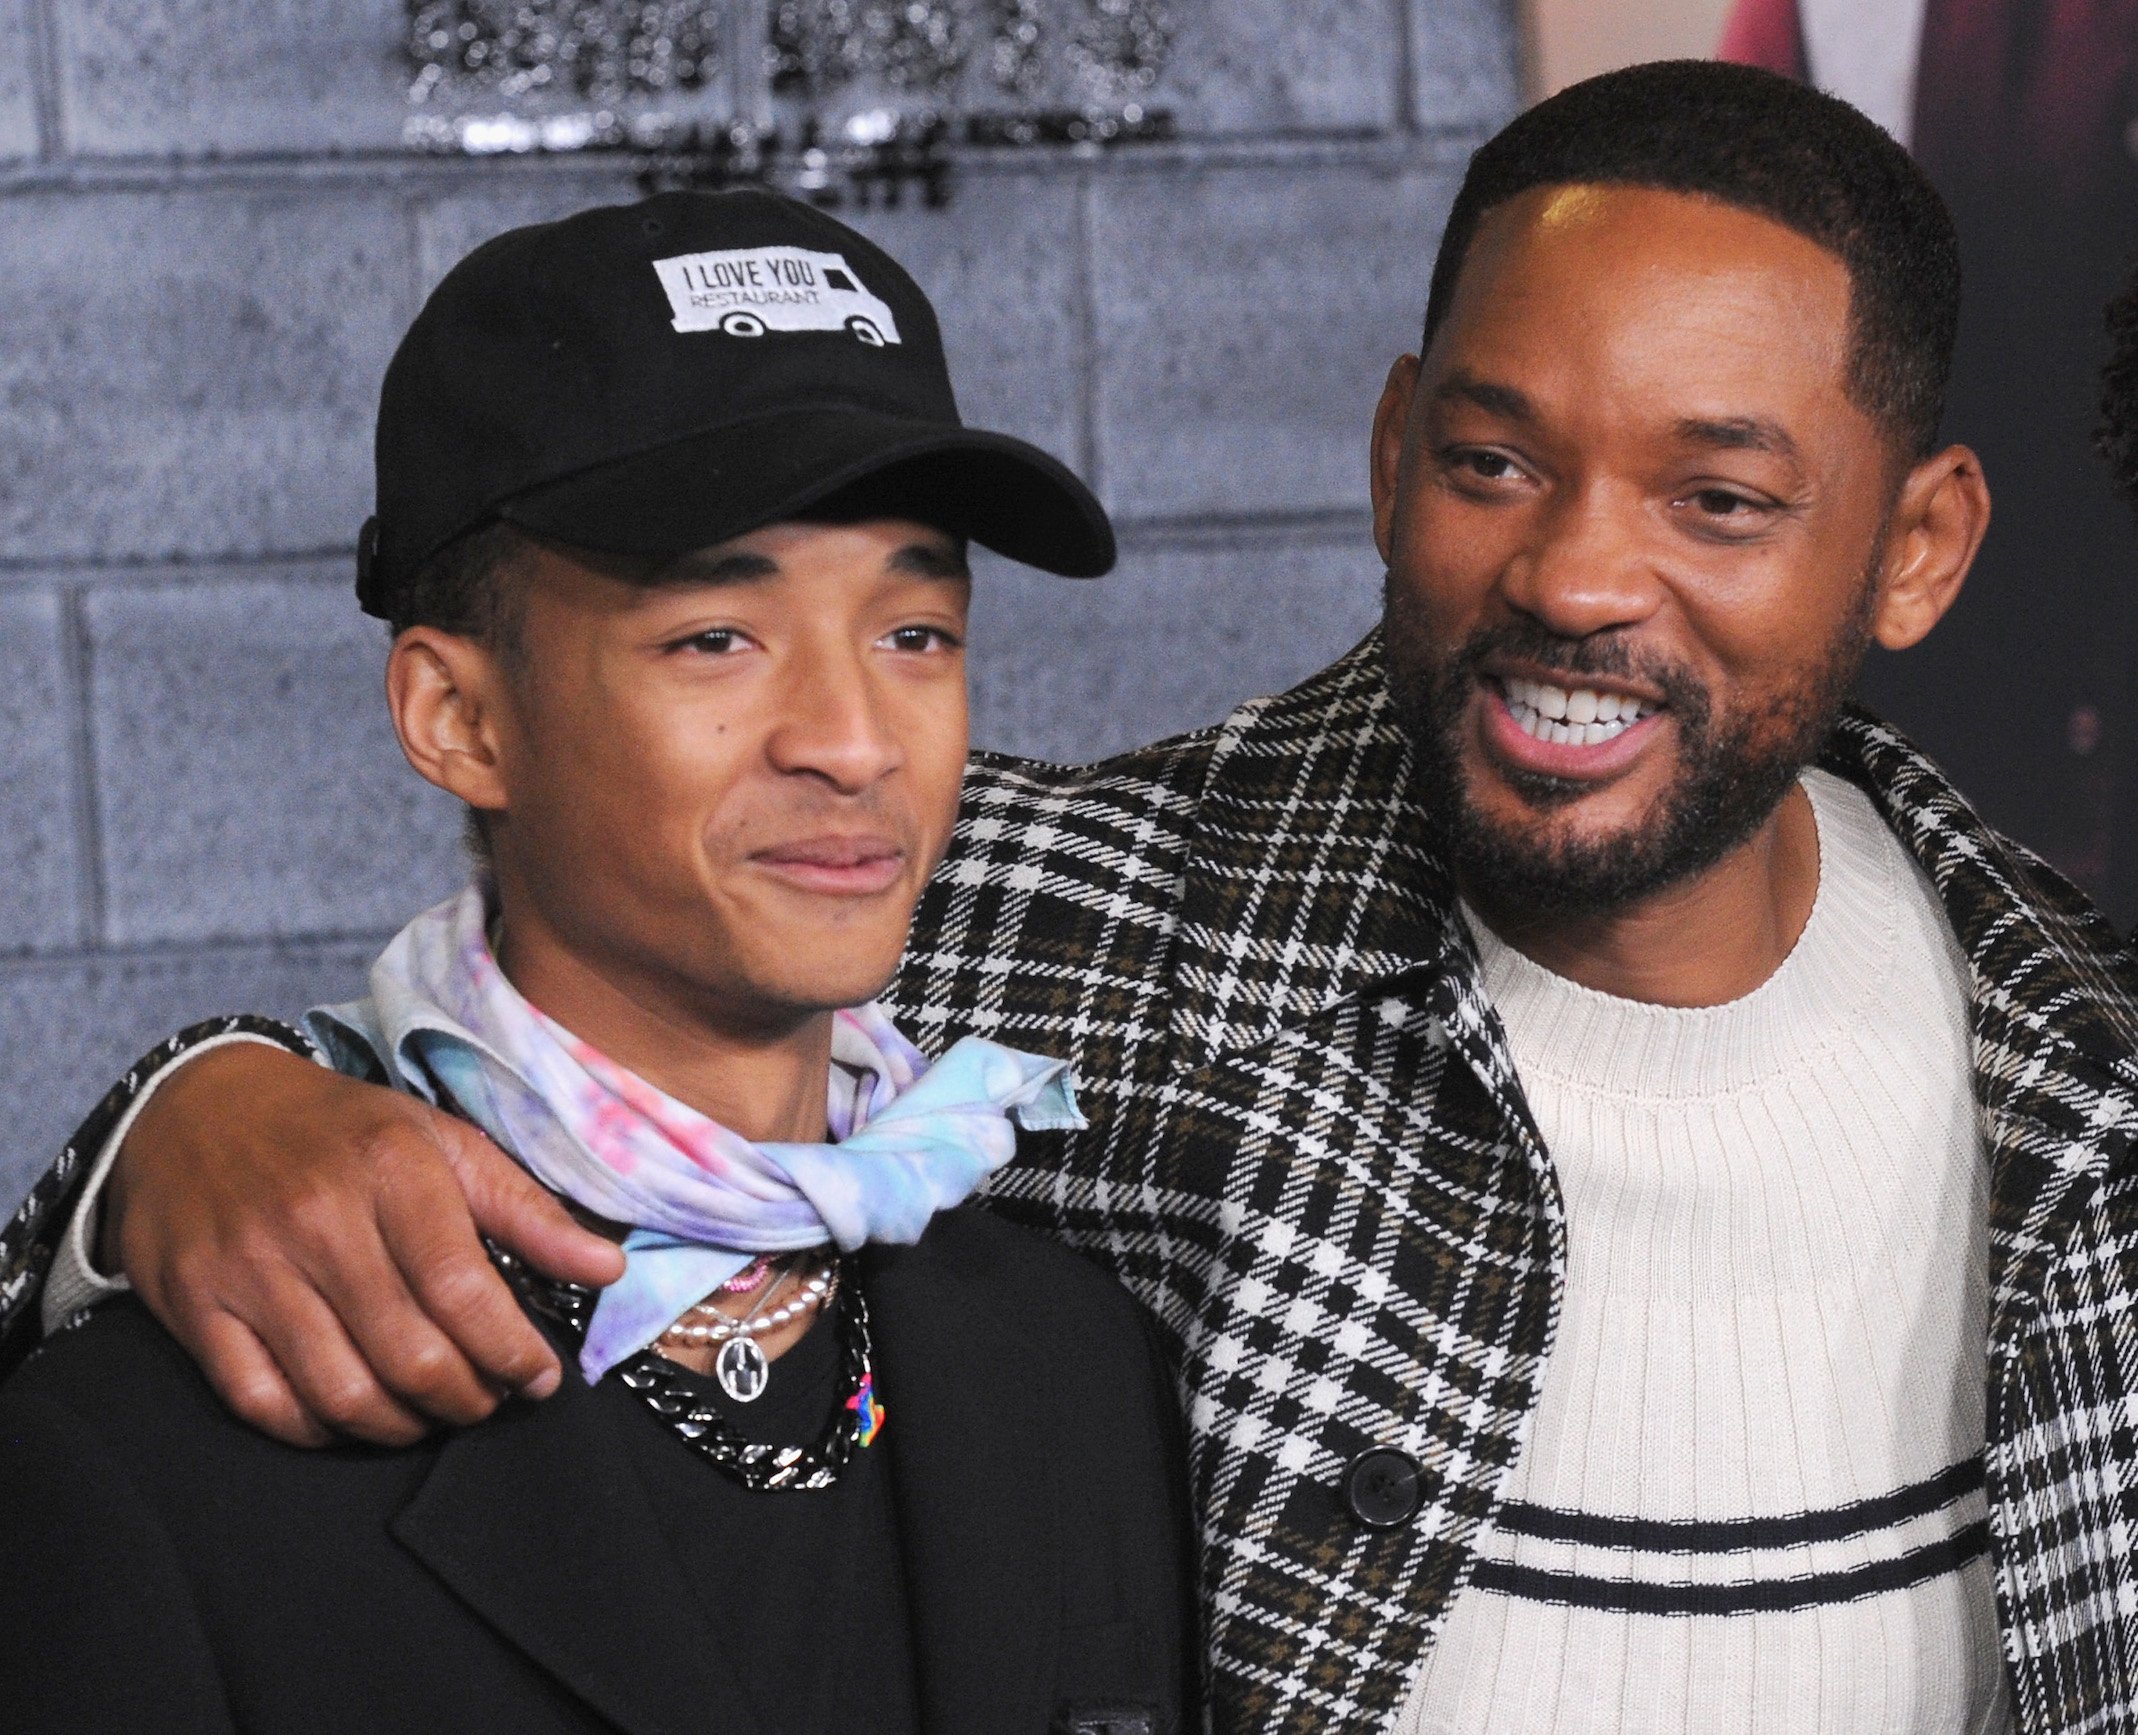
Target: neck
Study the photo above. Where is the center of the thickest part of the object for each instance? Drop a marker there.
(765, 1081)
(1705, 941)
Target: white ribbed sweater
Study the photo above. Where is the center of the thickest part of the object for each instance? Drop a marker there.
(1750, 1498)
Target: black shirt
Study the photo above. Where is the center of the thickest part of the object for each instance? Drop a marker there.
(807, 1581)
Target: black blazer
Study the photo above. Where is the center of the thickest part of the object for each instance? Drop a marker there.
(163, 1568)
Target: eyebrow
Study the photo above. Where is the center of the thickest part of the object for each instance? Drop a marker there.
(737, 568)
(745, 566)
(1740, 434)
(926, 560)
(1493, 399)
(1718, 433)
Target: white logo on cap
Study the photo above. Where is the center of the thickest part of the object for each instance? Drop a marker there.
(748, 291)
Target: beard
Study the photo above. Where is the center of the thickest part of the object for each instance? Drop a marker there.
(1732, 773)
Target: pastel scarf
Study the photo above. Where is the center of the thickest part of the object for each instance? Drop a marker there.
(908, 1139)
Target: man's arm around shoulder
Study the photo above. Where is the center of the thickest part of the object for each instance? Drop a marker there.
(315, 1242)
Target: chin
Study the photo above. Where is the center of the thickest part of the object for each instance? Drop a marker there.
(1558, 815)
(825, 990)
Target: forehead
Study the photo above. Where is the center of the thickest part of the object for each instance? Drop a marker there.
(1611, 289)
(815, 566)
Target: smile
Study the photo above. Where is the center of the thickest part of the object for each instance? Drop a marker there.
(1571, 716)
(840, 866)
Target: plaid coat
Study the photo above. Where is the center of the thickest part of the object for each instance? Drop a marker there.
(1310, 1157)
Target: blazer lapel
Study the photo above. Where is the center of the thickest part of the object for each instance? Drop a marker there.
(538, 1522)
(974, 1479)
(2055, 1025)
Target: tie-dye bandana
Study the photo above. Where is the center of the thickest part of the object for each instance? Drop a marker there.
(909, 1139)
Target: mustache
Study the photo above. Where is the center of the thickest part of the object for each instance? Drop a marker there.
(1606, 654)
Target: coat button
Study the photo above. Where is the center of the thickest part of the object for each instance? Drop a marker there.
(1383, 1488)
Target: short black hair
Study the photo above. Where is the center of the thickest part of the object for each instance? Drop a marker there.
(2117, 439)
(1772, 146)
(465, 588)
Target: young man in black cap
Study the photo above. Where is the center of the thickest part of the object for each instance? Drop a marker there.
(673, 502)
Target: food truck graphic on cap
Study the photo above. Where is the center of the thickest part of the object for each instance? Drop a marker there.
(748, 291)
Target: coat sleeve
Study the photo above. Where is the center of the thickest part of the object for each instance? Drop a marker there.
(98, 1630)
(29, 1238)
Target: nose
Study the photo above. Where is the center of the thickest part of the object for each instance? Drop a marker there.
(832, 724)
(1587, 567)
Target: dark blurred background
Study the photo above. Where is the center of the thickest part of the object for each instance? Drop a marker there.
(2023, 113)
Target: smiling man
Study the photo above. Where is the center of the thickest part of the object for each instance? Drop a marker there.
(1637, 1176)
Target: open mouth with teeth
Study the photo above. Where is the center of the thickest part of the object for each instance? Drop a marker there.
(1571, 716)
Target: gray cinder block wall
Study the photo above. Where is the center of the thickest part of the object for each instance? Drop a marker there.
(210, 238)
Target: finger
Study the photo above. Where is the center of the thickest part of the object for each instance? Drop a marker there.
(331, 1378)
(515, 1210)
(246, 1378)
(462, 1301)
(348, 1261)
(417, 1363)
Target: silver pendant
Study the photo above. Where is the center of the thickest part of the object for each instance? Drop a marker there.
(742, 1370)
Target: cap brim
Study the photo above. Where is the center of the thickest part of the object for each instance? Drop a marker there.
(691, 494)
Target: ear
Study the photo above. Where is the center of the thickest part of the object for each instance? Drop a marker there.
(1937, 524)
(1391, 426)
(448, 698)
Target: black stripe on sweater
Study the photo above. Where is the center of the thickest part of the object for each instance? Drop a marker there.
(1734, 1535)
(1750, 1596)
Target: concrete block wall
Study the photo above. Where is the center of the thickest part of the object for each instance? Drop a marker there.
(209, 242)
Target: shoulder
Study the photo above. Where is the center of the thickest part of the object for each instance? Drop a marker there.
(1117, 820)
(1067, 869)
(1078, 870)
(1163, 777)
(116, 1365)
(1070, 1317)
(129, 1390)
(1027, 1271)
(115, 1403)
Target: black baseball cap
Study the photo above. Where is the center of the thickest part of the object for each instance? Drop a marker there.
(655, 378)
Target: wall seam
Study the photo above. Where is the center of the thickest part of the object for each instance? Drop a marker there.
(1084, 297)
(45, 80)
(181, 953)
(34, 568)
(1406, 22)
(78, 674)
(376, 172)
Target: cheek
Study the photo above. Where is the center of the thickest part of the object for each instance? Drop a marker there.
(1764, 633)
(930, 721)
(641, 788)
(1448, 560)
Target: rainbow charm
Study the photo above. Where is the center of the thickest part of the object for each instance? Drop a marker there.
(868, 1414)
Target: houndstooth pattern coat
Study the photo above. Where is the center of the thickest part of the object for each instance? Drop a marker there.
(1310, 1157)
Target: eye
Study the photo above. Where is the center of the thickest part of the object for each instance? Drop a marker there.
(1483, 472)
(1728, 512)
(1721, 503)
(1484, 464)
(922, 639)
(715, 642)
